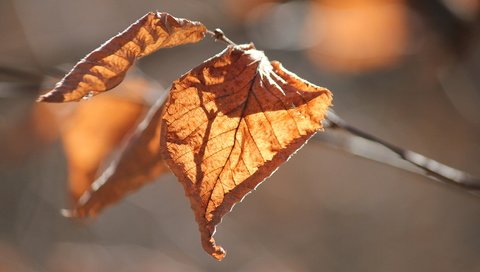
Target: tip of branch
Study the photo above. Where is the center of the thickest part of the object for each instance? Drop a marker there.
(218, 35)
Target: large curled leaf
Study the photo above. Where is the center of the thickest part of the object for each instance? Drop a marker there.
(105, 67)
(229, 124)
(137, 165)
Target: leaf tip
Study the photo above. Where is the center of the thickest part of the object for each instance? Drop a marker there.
(211, 248)
(219, 253)
(52, 97)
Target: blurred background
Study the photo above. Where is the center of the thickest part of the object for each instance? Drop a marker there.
(404, 70)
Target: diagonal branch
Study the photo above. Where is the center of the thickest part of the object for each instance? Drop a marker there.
(432, 168)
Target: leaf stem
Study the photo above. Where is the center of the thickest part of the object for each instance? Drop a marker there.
(220, 36)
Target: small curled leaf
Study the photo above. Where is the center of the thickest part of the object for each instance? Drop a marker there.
(92, 132)
(106, 66)
(138, 164)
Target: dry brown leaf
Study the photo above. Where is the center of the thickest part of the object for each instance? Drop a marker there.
(229, 124)
(93, 130)
(138, 164)
(105, 67)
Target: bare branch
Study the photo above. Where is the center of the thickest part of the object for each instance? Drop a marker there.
(432, 168)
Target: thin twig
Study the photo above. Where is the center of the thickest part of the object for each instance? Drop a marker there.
(31, 76)
(220, 36)
(20, 74)
(432, 167)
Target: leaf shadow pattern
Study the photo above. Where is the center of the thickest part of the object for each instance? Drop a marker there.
(229, 124)
(198, 158)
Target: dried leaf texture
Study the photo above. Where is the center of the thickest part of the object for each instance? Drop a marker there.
(229, 124)
(138, 164)
(94, 129)
(105, 67)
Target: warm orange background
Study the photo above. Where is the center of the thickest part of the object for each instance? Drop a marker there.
(406, 71)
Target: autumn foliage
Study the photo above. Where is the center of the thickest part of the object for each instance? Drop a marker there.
(140, 163)
(99, 136)
(105, 67)
(227, 124)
